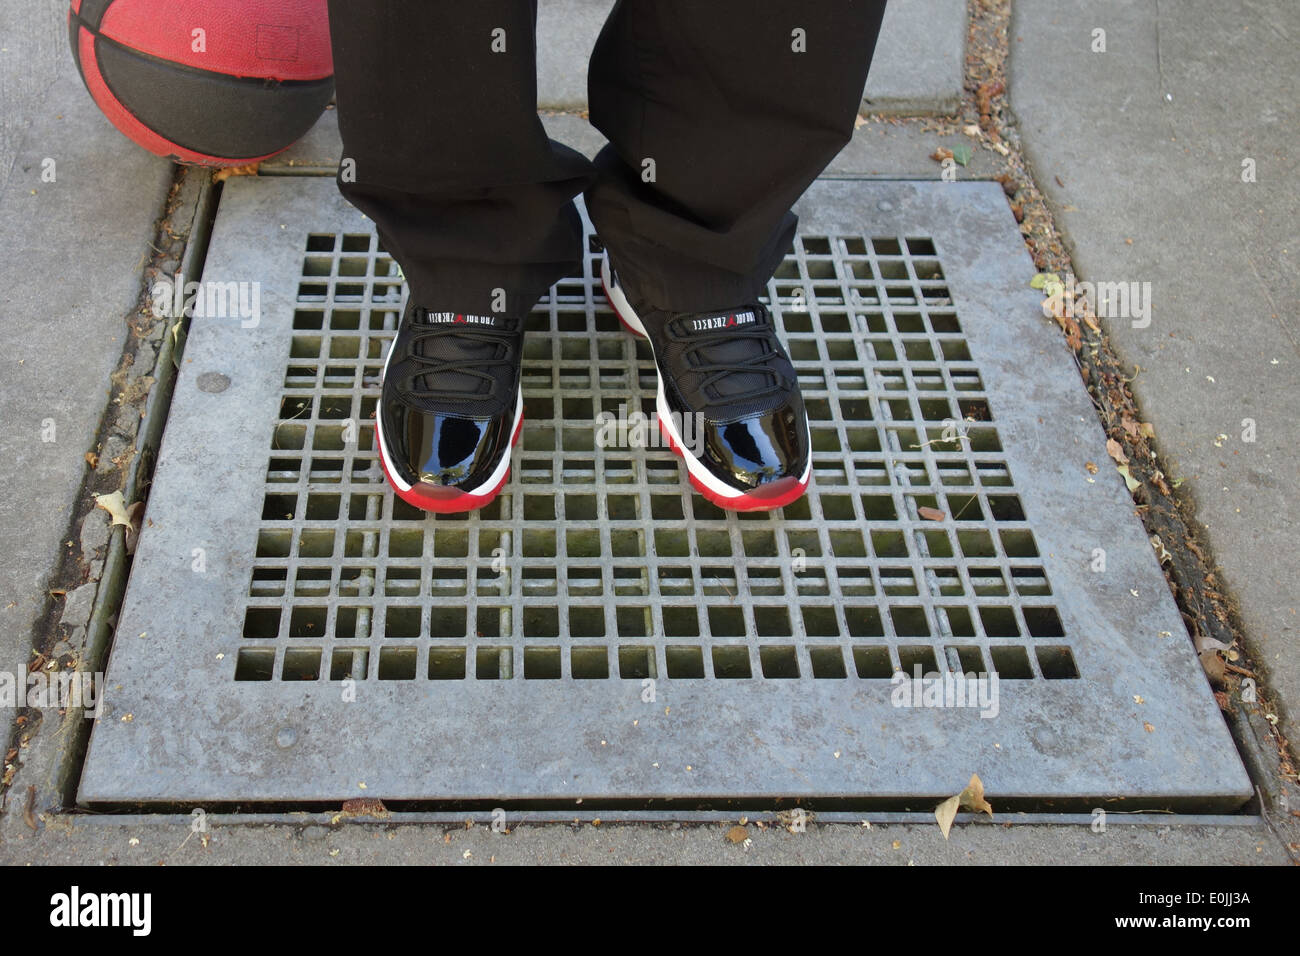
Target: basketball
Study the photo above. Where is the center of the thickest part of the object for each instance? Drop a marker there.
(210, 82)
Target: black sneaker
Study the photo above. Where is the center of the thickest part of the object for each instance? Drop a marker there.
(451, 408)
(729, 401)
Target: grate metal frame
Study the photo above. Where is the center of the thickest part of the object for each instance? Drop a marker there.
(504, 655)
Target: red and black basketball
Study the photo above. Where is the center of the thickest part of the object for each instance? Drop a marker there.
(214, 82)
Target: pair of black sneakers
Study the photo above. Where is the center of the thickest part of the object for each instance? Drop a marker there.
(728, 404)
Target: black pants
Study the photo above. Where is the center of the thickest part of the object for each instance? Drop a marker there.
(719, 114)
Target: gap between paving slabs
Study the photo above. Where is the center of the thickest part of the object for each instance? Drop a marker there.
(74, 633)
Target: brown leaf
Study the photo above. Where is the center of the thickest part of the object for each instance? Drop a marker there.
(984, 96)
(1073, 334)
(930, 514)
(1214, 667)
(940, 154)
(226, 172)
(134, 514)
(945, 813)
(737, 834)
(1147, 727)
(972, 799)
(1116, 451)
(91, 459)
(364, 807)
(29, 809)
(1091, 466)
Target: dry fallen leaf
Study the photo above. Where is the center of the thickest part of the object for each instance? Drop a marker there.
(930, 514)
(115, 506)
(940, 154)
(1132, 483)
(226, 172)
(1116, 451)
(945, 813)
(737, 834)
(972, 798)
(29, 809)
(134, 514)
(1147, 727)
(362, 807)
(1203, 642)
(91, 459)
(1092, 468)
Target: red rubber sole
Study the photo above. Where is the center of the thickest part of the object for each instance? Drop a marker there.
(769, 497)
(449, 500)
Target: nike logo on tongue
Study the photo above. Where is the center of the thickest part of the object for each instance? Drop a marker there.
(731, 320)
(461, 318)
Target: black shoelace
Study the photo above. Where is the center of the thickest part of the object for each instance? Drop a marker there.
(714, 371)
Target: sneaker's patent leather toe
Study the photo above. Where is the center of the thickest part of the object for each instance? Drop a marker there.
(757, 450)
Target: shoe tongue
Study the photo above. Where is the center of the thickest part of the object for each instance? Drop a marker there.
(501, 322)
(721, 346)
(719, 324)
(466, 350)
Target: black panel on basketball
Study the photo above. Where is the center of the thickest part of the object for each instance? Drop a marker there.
(211, 113)
(92, 12)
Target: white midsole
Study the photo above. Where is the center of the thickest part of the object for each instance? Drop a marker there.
(497, 475)
(693, 464)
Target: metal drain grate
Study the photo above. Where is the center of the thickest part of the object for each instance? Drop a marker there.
(599, 562)
(601, 630)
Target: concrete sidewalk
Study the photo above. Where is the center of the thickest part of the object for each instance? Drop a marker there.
(917, 67)
(1143, 152)
(1147, 140)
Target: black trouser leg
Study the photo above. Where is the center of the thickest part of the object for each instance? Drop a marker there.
(451, 160)
(718, 102)
(736, 112)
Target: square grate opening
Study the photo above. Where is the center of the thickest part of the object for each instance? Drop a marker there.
(600, 630)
